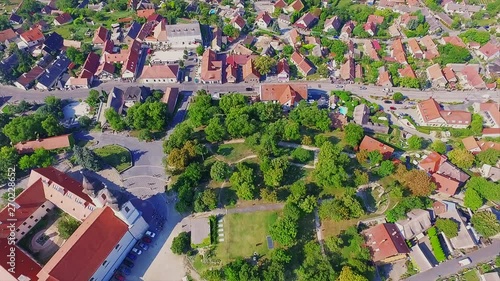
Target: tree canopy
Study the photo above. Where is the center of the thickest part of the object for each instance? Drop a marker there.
(486, 223)
(330, 169)
(181, 243)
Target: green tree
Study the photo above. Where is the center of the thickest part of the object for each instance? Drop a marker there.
(472, 199)
(86, 158)
(9, 158)
(375, 157)
(179, 137)
(85, 121)
(243, 181)
(330, 171)
(398, 96)
(476, 124)
(489, 156)
(145, 135)
(274, 170)
(298, 191)
(461, 157)
(288, 50)
(474, 35)
(51, 126)
(486, 223)
(264, 64)
(24, 128)
(353, 134)
(439, 146)
(360, 177)
(347, 274)
(209, 199)
(76, 56)
(66, 226)
(148, 115)
(308, 204)
(93, 99)
(232, 101)
(231, 31)
(386, 168)
(215, 130)
(115, 120)
(448, 226)
(220, 171)
(291, 131)
(40, 158)
(302, 155)
(200, 50)
(449, 53)
(284, 231)
(181, 243)
(342, 208)
(415, 142)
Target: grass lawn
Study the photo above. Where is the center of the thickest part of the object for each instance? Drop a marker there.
(245, 234)
(333, 228)
(471, 275)
(116, 156)
(234, 152)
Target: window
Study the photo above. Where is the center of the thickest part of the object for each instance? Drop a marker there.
(24, 223)
(92, 279)
(104, 263)
(117, 246)
(31, 217)
(22, 233)
(69, 195)
(127, 209)
(29, 226)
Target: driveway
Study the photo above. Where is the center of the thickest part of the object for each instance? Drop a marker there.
(452, 266)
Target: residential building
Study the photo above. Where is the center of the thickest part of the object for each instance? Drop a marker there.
(346, 31)
(361, 116)
(51, 75)
(280, 4)
(231, 74)
(465, 10)
(263, 20)
(449, 74)
(490, 172)
(370, 27)
(407, 72)
(348, 70)
(53, 43)
(476, 146)
(76, 83)
(145, 13)
(162, 73)
(386, 243)
(15, 19)
(398, 52)
(7, 36)
(105, 71)
(90, 67)
(489, 51)
(436, 76)
(288, 95)
(110, 227)
(216, 44)
(250, 74)
(133, 95)
(26, 80)
(296, 6)
(186, 35)
(370, 50)
(170, 97)
(453, 40)
(415, 224)
(307, 21)
(470, 78)
(303, 64)
(384, 78)
(431, 49)
(370, 144)
(211, 68)
(32, 37)
(332, 23)
(490, 111)
(294, 37)
(101, 35)
(238, 22)
(465, 238)
(283, 71)
(132, 33)
(431, 114)
(405, 19)
(444, 18)
(414, 48)
(62, 19)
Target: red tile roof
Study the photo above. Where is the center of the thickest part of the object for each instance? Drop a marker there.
(27, 78)
(90, 66)
(211, 68)
(432, 162)
(445, 184)
(493, 110)
(101, 35)
(384, 79)
(105, 67)
(429, 109)
(398, 51)
(7, 35)
(265, 17)
(239, 60)
(63, 18)
(407, 72)
(454, 40)
(449, 74)
(160, 71)
(375, 19)
(239, 21)
(297, 5)
(489, 50)
(64, 180)
(302, 63)
(283, 93)
(47, 143)
(348, 69)
(283, 66)
(473, 77)
(280, 4)
(145, 13)
(385, 241)
(32, 35)
(249, 71)
(88, 247)
(170, 98)
(370, 144)
(491, 131)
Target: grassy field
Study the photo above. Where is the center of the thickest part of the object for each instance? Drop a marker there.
(6, 6)
(245, 234)
(116, 156)
(333, 228)
(234, 152)
(471, 275)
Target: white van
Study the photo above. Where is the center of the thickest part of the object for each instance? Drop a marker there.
(464, 262)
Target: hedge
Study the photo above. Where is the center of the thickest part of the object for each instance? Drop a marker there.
(436, 245)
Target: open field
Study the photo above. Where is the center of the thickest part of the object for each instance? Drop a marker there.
(115, 156)
(245, 234)
(233, 152)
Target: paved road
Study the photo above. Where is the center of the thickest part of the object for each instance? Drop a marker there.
(15, 94)
(452, 266)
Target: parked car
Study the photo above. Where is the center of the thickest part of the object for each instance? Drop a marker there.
(125, 270)
(128, 263)
(132, 256)
(464, 262)
(249, 89)
(143, 246)
(136, 251)
(340, 86)
(146, 239)
(362, 88)
(388, 101)
(392, 108)
(150, 234)
(119, 277)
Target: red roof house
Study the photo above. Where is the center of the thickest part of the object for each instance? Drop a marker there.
(370, 144)
(386, 243)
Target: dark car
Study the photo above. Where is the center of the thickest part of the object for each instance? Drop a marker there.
(249, 89)
(125, 270)
(119, 277)
(132, 256)
(128, 263)
(146, 239)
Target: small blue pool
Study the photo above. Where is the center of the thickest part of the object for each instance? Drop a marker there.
(343, 110)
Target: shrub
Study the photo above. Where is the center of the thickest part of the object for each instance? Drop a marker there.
(302, 155)
(436, 245)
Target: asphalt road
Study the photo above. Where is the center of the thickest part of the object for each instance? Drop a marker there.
(451, 267)
(16, 94)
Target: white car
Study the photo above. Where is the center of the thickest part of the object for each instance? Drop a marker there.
(464, 262)
(150, 234)
(136, 251)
